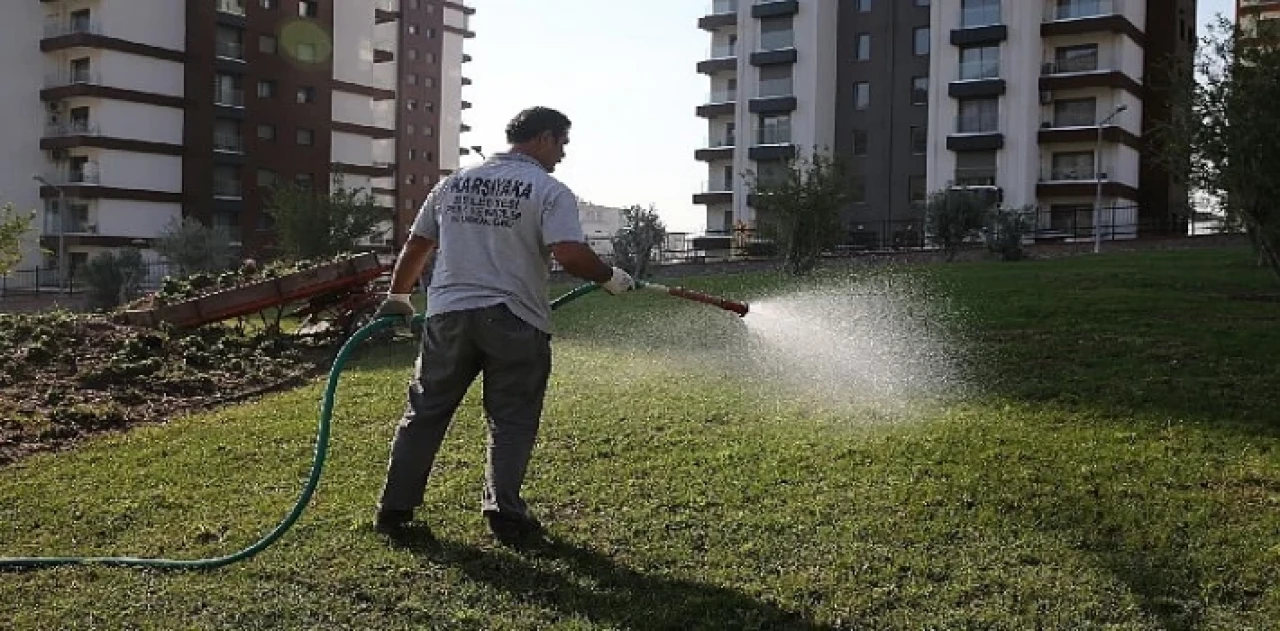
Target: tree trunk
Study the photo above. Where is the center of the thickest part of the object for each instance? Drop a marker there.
(1269, 253)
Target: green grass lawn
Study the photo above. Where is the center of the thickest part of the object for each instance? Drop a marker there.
(1113, 462)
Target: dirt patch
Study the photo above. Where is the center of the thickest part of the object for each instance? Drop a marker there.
(65, 376)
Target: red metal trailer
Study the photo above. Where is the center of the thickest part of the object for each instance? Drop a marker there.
(342, 289)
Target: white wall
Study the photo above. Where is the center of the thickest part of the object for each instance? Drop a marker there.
(354, 108)
(351, 149)
(134, 219)
(450, 134)
(353, 34)
(135, 121)
(142, 171)
(121, 70)
(24, 116)
(160, 23)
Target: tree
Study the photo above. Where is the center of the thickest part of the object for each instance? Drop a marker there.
(193, 247)
(13, 226)
(113, 277)
(1224, 135)
(954, 216)
(799, 205)
(1005, 229)
(642, 231)
(312, 225)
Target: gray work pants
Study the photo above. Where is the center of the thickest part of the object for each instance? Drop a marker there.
(515, 358)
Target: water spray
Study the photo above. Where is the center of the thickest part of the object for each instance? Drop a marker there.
(322, 446)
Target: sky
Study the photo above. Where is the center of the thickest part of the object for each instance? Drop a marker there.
(624, 73)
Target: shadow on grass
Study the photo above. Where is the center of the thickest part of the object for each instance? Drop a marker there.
(590, 585)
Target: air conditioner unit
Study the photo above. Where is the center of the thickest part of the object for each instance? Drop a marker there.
(1046, 97)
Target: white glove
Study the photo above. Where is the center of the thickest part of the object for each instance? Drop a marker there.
(396, 305)
(620, 282)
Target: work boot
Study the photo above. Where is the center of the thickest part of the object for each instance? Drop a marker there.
(389, 521)
(513, 530)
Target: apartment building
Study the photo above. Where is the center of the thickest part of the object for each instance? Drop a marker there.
(125, 115)
(1051, 102)
(1250, 14)
(772, 71)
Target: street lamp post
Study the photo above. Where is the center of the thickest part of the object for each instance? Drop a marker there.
(62, 231)
(1097, 177)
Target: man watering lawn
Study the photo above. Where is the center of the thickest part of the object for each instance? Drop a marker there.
(490, 229)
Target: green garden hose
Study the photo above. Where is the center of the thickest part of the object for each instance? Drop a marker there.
(321, 450)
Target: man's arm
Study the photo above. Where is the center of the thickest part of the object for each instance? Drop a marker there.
(414, 256)
(580, 260)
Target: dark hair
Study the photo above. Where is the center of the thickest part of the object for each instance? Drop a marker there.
(530, 124)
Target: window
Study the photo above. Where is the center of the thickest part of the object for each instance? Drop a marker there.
(412, 29)
(775, 81)
(775, 33)
(858, 188)
(308, 8)
(920, 90)
(229, 43)
(860, 142)
(411, 104)
(864, 6)
(863, 51)
(306, 52)
(415, 4)
(774, 129)
(919, 140)
(413, 53)
(916, 190)
(1072, 165)
(1075, 112)
(1082, 58)
(80, 70)
(979, 62)
(920, 40)
(429, 58)
(411, 79)
(267, 4)
(922, 3)
(81, 22)
(306, 137)
(979, 116)
(410, 129)
(267, 44)
(226, 90)
(306, 94)
(266, 88)
(266, 132)
(1070, 217)
(266, 177)
(226, 135)
(226, 181)
(861, 95)
(975, 168)
(975, 13)
(413, 154)
(305, 180)
(428, 130)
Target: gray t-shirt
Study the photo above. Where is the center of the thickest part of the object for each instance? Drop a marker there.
(493, 223)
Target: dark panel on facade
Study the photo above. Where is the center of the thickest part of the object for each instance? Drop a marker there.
(975, 142)
(772, 152)
(775, 9)
(993, 34)
(772, 57)
(772, 105)
(976, 89)
(708, 66)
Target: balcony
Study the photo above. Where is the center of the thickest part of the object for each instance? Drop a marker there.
(777, 40)
(720, 14)
(772, 143)
(717, 191)
(71, 27)
(229, 50)
(84, 173)
(1086, 174)
(230, 7)
(73, 128)
(775, 96)
(719, 103)
(1080, 17)
(979, 70)
(1087, 72)
(774, 8)
(721, 57)
(976, 132)
(228, 142)
(717, 148)
(229, 97)
(226, 189)
(1072, 130)
(74, 77)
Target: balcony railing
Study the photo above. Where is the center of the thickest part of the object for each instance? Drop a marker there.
(722, 96)
(226, 188)
(981, 69)
(718, 185)
(1091, 63)
(977, 124)
(776, 87)
(720, 142)
(1086, 174)
(780, 135)
(234, 7)
(776, 40)
(223, 141)
(71, 27)
(721, 7)
(87, 173)
(73, 128)
(232, 97)
(984, 15)
(723, 51)
(77, 77)
(229, 50)
(1076, 9)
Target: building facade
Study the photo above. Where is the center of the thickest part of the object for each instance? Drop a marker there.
(126, 115)
(1047, 103)
(772, 70)
(1252, 13)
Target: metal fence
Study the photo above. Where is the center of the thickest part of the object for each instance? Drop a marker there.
(41, 280)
